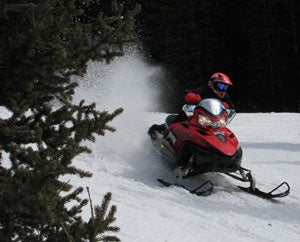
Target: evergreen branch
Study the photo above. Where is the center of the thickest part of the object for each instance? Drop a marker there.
(66, 231)
(20, 7)
(91, 205)
(110, 239)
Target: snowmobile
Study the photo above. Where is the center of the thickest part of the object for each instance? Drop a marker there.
(203, 143)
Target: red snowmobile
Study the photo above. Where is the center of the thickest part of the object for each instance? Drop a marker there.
(202, 143)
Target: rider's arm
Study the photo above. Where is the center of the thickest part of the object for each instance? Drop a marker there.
(227, 101)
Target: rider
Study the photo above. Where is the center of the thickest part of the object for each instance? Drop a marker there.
(217, 87)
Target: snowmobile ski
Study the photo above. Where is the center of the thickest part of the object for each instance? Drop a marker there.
(248, 177)
(268, 195)
(197, 191)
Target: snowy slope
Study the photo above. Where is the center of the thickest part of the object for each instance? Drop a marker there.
(125, 164)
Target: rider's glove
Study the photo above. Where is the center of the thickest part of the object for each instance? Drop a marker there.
(226, 105)
(192, 98)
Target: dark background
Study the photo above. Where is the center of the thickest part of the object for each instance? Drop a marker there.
(254, 42)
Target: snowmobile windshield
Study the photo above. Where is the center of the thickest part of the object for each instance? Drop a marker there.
(213, 106)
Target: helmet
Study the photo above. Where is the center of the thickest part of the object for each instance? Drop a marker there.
(219, 83)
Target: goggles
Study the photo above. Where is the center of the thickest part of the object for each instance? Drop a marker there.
(222, 86)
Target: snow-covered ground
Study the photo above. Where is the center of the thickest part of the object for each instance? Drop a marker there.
(125, 164)
(148, 212)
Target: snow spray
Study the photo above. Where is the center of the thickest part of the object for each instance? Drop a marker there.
(127, 82)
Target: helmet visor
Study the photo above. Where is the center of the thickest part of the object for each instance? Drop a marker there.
(222, 86)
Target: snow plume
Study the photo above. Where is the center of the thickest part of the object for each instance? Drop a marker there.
(128, 82)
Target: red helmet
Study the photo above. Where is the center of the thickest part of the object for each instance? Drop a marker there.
(219, 83)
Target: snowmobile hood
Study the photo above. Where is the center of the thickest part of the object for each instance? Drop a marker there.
(221, 139)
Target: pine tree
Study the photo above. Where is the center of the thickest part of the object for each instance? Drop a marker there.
(272, 64)
(188, 38)
(255, 42)
(42, 44)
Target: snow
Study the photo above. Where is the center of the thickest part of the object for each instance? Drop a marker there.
(149, 212)
(125, 164)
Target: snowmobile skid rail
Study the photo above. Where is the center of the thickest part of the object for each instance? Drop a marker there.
(204, 189)
(246, 176)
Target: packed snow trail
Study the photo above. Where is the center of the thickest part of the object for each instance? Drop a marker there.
(124, 163)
